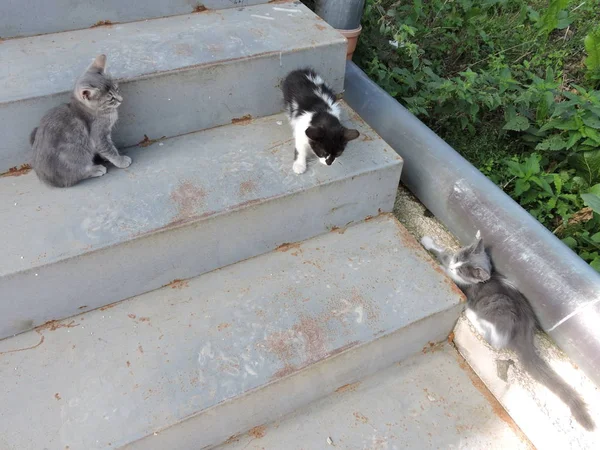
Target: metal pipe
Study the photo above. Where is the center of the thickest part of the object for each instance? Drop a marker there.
(563, 290)
(341, 14)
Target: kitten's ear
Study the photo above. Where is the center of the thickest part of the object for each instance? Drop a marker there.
(350, 134)
(479, 247)
(86, 93)
(482, 274)
(98, 65)
(315, 133)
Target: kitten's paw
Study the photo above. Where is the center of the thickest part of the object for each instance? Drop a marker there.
(124, 162)
(428, 243)
(97, 171)
(299, 167)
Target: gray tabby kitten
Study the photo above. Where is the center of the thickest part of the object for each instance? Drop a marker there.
(70, 136)
(503, 316)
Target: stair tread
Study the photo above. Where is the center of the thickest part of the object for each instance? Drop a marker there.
(30, 17)
(117, 374)
(49, 64)
(170, 183)
(430, 401)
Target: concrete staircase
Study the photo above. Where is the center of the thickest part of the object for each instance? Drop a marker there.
(206, 290)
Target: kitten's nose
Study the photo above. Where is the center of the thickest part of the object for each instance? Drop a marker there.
(329, 161)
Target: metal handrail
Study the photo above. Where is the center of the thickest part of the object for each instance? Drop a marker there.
(563, 290)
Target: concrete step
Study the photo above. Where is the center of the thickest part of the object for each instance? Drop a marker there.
(178, 74)
(430, 401)
(30, 17)
(542, 416)
(187, 205)
(189, 365)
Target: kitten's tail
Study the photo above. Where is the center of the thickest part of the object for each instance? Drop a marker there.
(543, 373)
(32, 136)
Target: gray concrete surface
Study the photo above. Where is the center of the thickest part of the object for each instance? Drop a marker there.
(431, 401)
(542, 416)
(178, 74)
(185, 206)
(419, 221)
(28, 17)
(229, 350)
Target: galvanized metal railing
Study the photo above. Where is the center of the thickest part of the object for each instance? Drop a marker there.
(563, 290)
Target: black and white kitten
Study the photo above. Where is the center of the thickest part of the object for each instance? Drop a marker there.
(503, 316)
(314, 115)
(70, 136)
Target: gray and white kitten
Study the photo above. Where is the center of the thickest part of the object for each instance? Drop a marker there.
(503, 316)
(70, 136)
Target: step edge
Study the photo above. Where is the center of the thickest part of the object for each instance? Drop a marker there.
(213, 215)
(452, 311)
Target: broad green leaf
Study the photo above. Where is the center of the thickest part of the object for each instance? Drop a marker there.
(532, 165)
(596, 264)
(587, 165)
(573, 139)
(570, 242)
(592, 121)
(519, 123)
(521, 186)
(571, 124)
(593, 201)
(595, 237)
(557, 183)
(550, 19)
(543, 184)
(592, 134)
(592, 49)
(595, 189)
(515, 168)
(553, 143)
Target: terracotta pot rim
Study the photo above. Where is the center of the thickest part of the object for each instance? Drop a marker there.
(351, 33)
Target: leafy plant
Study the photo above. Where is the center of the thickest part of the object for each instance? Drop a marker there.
(592, 48)
(504, 82)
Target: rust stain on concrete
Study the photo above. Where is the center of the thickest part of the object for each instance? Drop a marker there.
(348, 387)
(187, 198)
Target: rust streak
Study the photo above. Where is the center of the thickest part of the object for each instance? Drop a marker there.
(54, 325)
(347, 387)
(285, 247)
(23, 349)
(57, 396)
(178, 284)
(232, 439)
(244, 120)
(102, 23)
(258, 432)
(17, 171)
(112, 305)
(451, 338)
(147, 142)
(199, 8)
